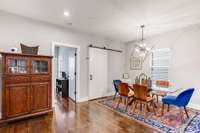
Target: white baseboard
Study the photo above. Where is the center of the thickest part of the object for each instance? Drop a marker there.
(83, 99)
(194, 106)
(110, 94)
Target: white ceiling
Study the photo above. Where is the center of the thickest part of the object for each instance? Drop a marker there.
(114, 19)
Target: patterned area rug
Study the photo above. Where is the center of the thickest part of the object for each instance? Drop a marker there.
(170, 122)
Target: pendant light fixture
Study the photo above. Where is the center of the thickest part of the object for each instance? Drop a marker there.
(141, 48)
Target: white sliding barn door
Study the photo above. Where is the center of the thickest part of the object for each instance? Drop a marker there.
(97, 73)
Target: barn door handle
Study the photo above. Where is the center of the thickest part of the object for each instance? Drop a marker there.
(90, 76)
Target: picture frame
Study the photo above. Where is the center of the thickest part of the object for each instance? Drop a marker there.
(136, 63)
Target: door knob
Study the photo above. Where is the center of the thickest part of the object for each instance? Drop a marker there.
(90, 76)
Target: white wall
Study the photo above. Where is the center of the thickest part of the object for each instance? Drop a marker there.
(185, 63)
(63, 53)
(16, 29)
(63, 61)
(116, 64)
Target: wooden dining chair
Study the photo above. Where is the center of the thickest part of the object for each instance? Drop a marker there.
(162, 83)
(124, 94)
(141, 96)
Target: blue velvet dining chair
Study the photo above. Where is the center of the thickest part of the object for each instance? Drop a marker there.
(181, 100)
(116, 84)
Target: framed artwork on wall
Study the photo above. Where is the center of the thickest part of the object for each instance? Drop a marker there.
(136, 63)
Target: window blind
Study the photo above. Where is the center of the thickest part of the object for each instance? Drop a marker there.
(160, 64)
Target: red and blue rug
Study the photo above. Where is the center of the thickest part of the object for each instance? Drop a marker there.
(171, 122)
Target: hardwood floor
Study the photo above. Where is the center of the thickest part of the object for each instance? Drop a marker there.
(87, 117)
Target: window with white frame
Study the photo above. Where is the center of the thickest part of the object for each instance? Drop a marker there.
(160, 64)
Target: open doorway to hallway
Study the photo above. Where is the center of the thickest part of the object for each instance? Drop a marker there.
(65, 72)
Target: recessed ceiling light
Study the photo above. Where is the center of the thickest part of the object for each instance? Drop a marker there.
(66, 13)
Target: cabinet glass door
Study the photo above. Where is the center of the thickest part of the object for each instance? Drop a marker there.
(39, 66)
(17, 66)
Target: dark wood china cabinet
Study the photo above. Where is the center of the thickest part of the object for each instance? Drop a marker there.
(26, 85)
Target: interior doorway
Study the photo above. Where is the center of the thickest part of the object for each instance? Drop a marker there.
(65, 74)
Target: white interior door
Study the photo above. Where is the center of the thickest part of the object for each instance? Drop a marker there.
(97, 73)
(72, 71)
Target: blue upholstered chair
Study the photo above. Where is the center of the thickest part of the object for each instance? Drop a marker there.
(181, 100)
(116, 84)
